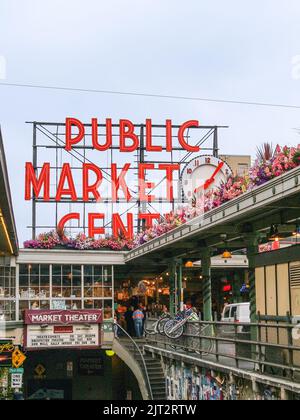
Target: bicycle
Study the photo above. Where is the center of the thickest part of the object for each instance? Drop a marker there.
(174, 328)
(158, 326)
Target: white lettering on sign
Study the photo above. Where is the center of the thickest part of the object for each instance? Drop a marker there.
(63, 317)
(81, 318)
(50, 337)
(16, 380)
(46, 318)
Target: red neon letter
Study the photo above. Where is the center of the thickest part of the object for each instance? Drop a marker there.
(149, 218)
(69, 140)
(37, 184)
(169, 168)
(181, 138)
(92, 229)
(119, 230)
(143, 185)
(66, 174)
(108, 143)
(169, 140)
(127, 131)
(119, 181)
(65, 219)
(149, 145)
(94, 187)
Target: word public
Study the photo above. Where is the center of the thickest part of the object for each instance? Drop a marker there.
(38, 182)
(128, 141)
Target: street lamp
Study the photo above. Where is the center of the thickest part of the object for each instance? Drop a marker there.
(226, 255)
(189, 264)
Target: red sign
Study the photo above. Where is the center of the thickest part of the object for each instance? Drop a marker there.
(63, 329)
(271, 246)
(37, 317)
(38, 183)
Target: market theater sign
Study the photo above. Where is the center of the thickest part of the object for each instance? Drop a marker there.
(63, 317)
(62, 329)
(38, 182)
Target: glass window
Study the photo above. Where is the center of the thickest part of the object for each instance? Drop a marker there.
(107, 309)
(7, 282)
(227, 313)
(70, 284)
(7, 310)
(233, 312)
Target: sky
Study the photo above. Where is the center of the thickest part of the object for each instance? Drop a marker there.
(232, 50)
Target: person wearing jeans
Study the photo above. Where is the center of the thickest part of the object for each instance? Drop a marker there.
(138, 317)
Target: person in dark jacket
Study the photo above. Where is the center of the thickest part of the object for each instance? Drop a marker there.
(129, 321)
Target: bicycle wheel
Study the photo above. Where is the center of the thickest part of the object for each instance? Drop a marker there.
(173, 329)
(161, 325)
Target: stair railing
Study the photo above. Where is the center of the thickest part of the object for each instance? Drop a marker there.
(117, 328)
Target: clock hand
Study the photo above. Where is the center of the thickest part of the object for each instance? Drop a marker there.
(219, 167)
(209, 181)
(212, 179)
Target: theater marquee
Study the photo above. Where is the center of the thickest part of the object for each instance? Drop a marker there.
(63, 329)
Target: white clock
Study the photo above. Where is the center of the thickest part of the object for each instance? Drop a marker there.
(203, 174)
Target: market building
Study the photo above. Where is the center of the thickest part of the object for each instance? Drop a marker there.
(60, 298)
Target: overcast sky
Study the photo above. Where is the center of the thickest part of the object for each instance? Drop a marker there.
(235, 50)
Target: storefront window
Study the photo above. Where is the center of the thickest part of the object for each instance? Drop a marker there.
(65, 287)
(7, 310)
(7, 291)
(34, 282)
(97, 282)
(7, 282)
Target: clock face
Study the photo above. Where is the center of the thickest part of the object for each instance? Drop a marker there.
(203, 174)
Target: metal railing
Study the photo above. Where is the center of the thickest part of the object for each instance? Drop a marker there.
(270, 347)
(119, 333)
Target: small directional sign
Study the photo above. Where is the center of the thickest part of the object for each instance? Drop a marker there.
(16, 380)
(18, 358)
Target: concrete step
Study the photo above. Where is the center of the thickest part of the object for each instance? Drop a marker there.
(160, 391)
(155, 372)
(156, 375)
(159, 387)
(157, 382)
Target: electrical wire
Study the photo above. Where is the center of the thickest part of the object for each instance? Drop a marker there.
(151, 95)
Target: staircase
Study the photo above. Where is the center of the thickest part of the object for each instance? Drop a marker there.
(151, 367)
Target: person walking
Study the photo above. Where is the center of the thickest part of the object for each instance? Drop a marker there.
(138, 317)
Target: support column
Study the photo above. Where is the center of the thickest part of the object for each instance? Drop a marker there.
(173, 280)
(252, 250)
(207, 292)
(180, 285)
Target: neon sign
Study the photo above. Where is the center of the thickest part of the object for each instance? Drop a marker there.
(38, 182)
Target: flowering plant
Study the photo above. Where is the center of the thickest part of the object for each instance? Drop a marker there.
(44, 241)
(81, 242)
